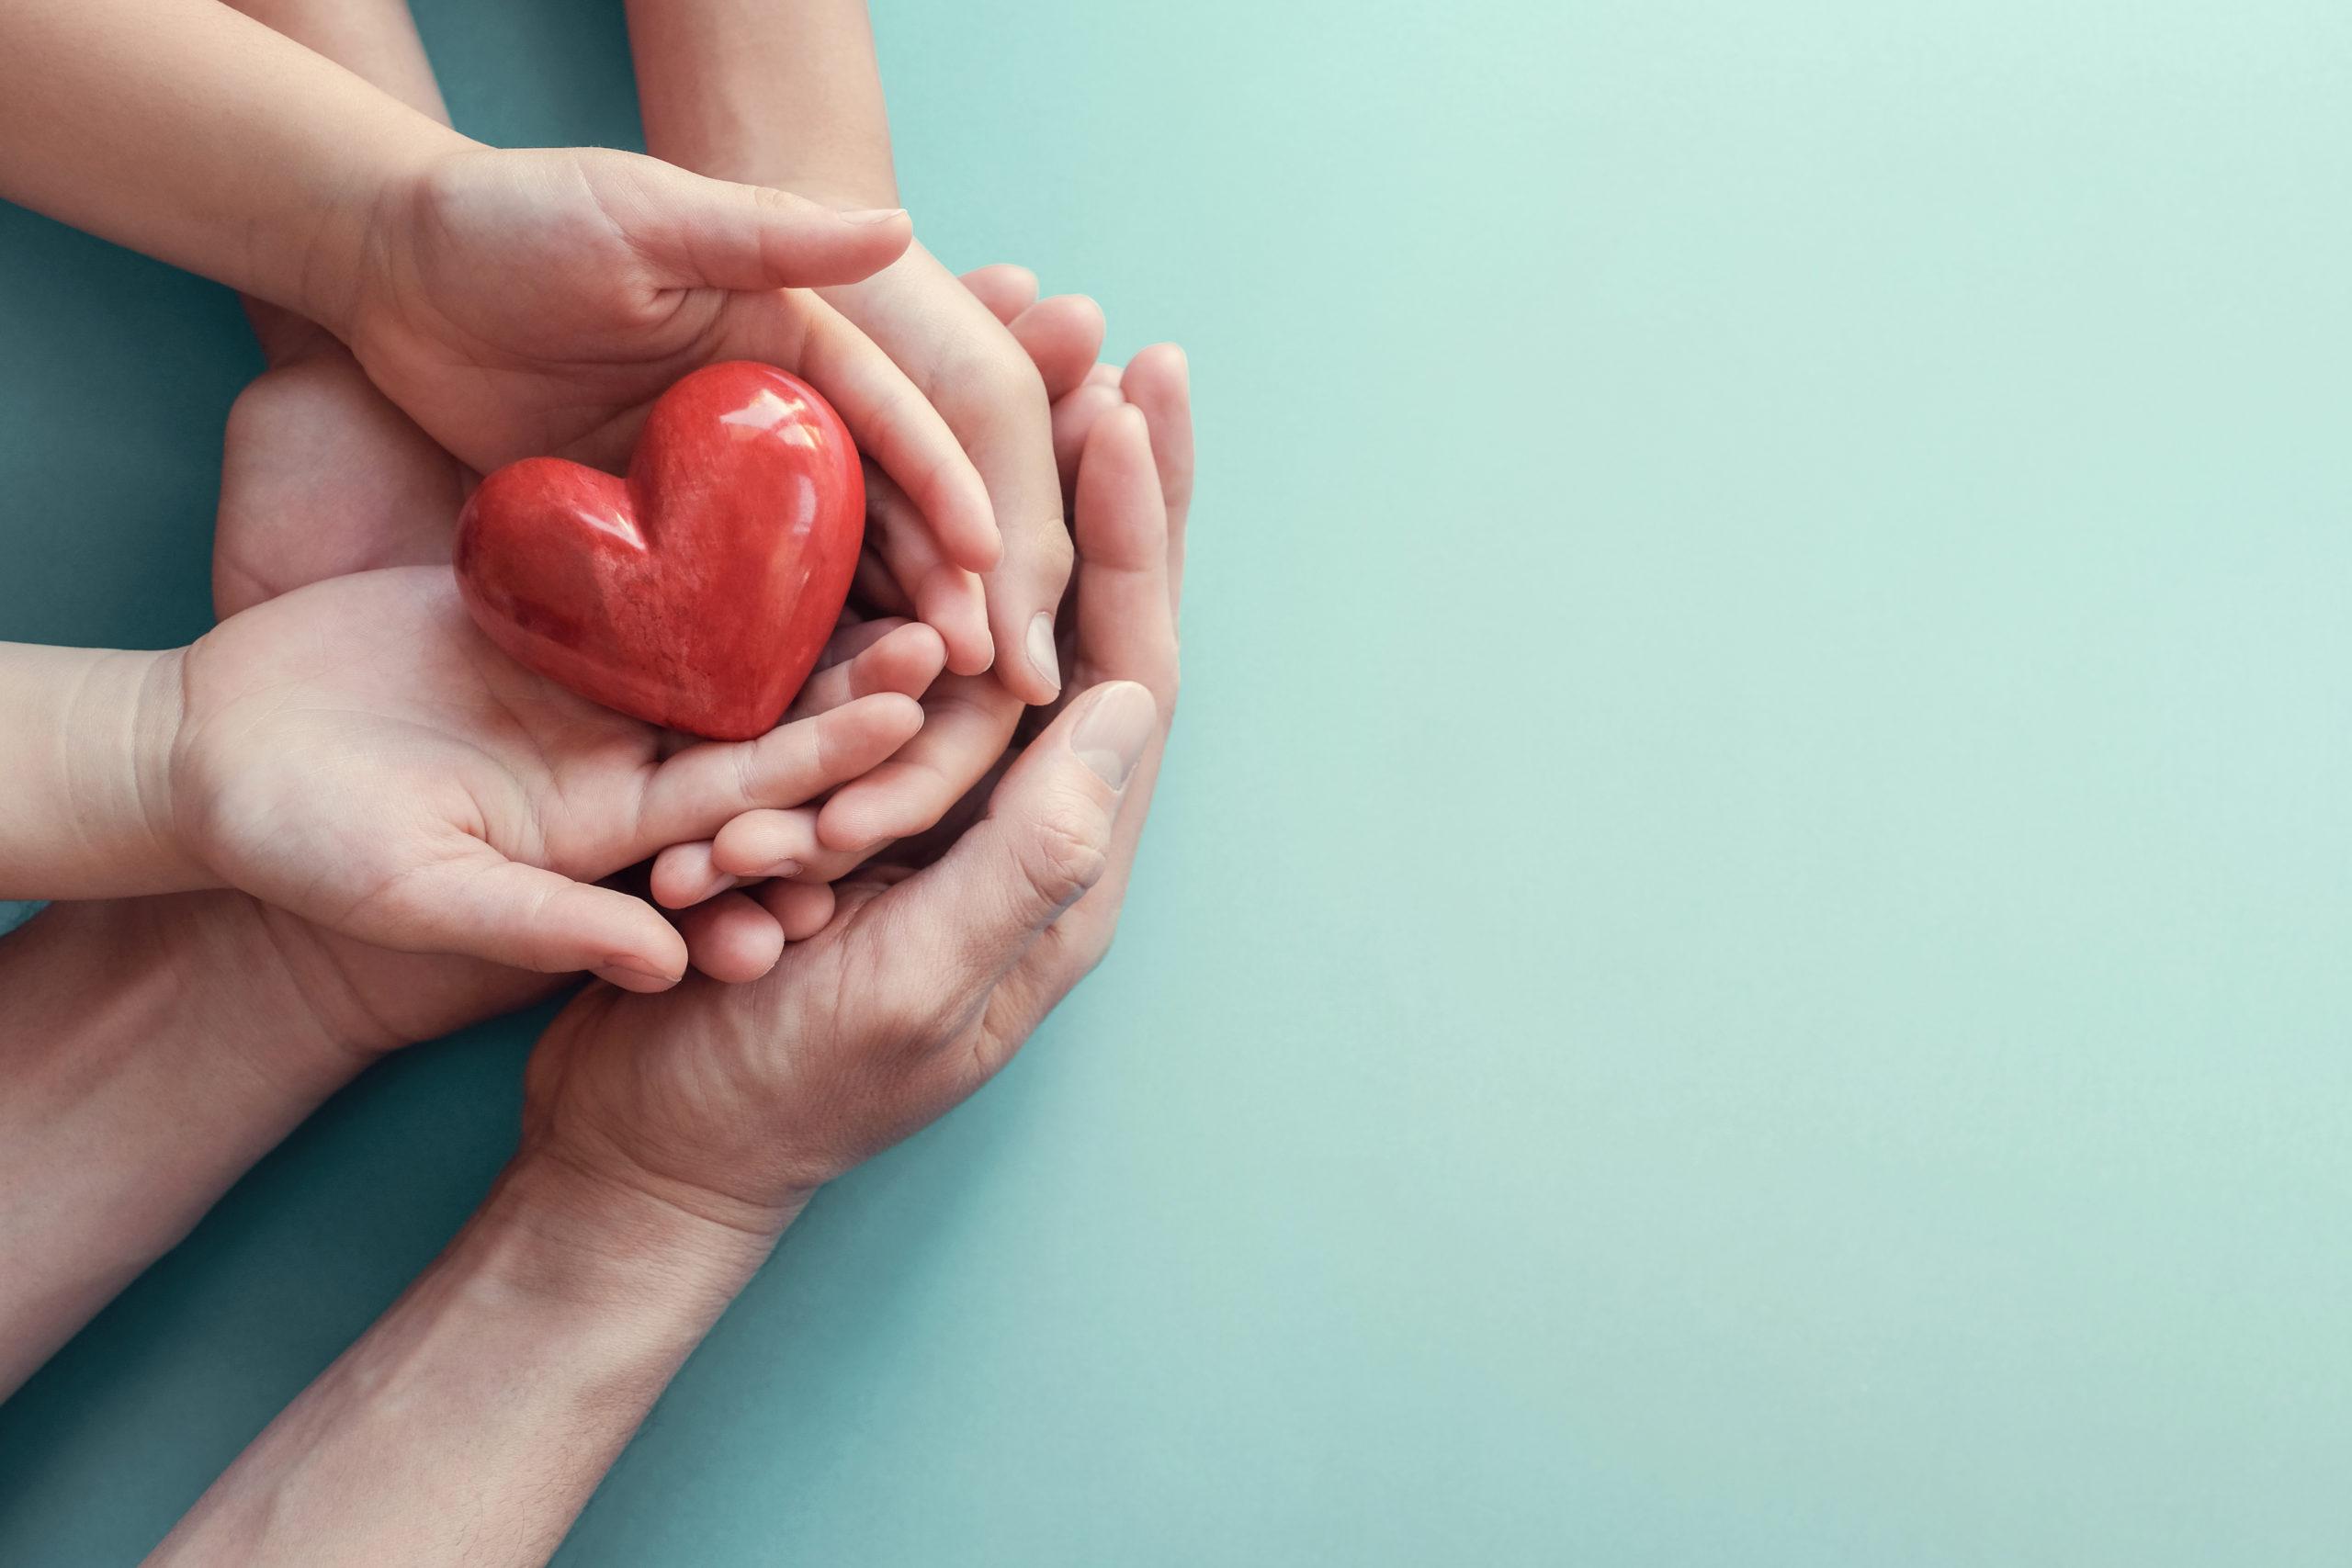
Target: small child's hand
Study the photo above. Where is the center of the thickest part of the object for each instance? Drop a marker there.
(359, 753)
(525, 303)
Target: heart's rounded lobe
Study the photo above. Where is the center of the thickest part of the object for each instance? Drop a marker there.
(697, 592)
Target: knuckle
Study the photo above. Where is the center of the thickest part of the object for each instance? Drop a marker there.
(1057, 551)
(1063, 859)
(746, 758)
(982, 380)
(775, 200)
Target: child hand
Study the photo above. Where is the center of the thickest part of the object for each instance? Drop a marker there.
(968, 720)
(995, 387)
(357, 754)
(520, 303)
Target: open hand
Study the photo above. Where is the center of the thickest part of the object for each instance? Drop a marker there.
(356, 753)
(521, 303)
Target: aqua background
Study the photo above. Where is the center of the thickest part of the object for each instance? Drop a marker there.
(1743, 958)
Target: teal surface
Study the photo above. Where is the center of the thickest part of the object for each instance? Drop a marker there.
(1743, 956)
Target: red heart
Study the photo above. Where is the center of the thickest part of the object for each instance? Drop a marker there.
(697, 592)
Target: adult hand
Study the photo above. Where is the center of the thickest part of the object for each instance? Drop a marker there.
(321, 475)
(734, 1103)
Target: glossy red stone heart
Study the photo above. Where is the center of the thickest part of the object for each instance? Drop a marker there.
(698, 591)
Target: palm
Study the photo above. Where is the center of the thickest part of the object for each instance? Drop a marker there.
(523, 319)
(320, 477)
(376, 692)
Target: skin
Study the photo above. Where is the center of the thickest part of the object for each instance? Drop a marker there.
(510, 303)
(788, 94)
(232, 1020)
(359, 754)
(968, 719)
(668, 1141)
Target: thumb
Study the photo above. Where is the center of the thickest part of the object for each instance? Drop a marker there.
(489, 907)
(705, 233)
(1046, 840)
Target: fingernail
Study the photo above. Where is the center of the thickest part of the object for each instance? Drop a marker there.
(874, 214)
(1111, 735)
(783, 868)
(631, 976)
(1042, 657)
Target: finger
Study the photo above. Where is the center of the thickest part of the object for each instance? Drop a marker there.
(1010, 434)
(1046, 841)
(967, 723)
(1126, 627)
(487, 906)
(732, 938)
(1061, 336)
(800, 909)
(1159, 381)
(692, 794)
(1104, 375)
(1005, 290)
(1074, 419)
(983, 385)
(894, 424)
(947, 598)
(696, 232)
(863, 659)
(1125, 622)
(904, 658)
(853, 636)
(767, 844)
(684, 875)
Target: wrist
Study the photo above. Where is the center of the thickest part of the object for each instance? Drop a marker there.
(158, 708)
(570, 1236)
(89, 773)
(355, 244)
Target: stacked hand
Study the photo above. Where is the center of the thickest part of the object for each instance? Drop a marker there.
(732, 1103)
(405, 830)
(323, 474)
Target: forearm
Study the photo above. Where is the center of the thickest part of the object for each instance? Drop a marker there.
(201, 136)
(85, 773)
(375, 41)
(472, 1422)
(149, 1052)
(769, 92)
